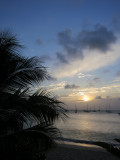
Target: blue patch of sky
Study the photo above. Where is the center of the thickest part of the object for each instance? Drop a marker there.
(44, 19)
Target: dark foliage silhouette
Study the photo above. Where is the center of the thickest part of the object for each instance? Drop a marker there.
(26, 117)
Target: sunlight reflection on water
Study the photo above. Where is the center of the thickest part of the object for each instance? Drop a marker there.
(91, 126)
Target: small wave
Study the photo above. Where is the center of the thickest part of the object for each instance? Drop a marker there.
(79, 141)
(74, 140)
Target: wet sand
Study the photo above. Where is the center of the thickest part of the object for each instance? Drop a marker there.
(72, 151)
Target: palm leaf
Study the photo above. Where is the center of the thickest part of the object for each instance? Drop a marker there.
(26, 118)
(17, 71)
(29, 142)
(29, 111)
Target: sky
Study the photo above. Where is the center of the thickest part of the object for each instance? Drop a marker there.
(79, 42)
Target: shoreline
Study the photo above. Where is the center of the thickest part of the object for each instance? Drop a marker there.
(79, 142)
(71, 151)
(83, 146)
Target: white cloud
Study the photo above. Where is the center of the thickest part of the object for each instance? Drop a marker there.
(53, 86)
(111, 89)
(93, 60)
(82, 75)
(56, 86)
(82, 93)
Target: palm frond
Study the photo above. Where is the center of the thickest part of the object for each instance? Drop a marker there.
(29, 142)
(48, 107)
(9, 43)
(29, 111)
(28, 72)
(26, 119)
(17, 71)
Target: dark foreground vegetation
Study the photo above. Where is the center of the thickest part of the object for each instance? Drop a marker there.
(26, 117)
(115, 150)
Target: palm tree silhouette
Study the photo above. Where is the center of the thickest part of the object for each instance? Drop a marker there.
(26, 118)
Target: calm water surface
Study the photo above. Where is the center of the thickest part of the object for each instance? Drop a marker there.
(93, 126)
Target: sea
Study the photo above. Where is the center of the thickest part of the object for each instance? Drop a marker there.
(89, 127)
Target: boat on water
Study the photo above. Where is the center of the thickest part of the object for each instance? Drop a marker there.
(108, 110)
(94, 110)
(75, 109)
(87, 110)
(66, 109)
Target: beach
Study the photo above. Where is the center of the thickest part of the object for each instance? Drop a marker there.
(81, 131)
(71, 151)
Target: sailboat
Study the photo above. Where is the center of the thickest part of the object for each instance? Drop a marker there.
(75, 109)
(86, 110)
(66, 110)
(94, 109)
(109, 111)
(99, 109)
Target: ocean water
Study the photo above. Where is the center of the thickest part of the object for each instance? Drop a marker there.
(90, 127)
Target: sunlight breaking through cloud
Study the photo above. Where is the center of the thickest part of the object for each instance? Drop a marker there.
(92, 61)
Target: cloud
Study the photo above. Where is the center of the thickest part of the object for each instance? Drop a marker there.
(98, 39)
(53, 86)
(72, 86)
(82, 75)
(102, 90)
(93, 82)
(61, 57)
(96, 79)
(82, 93)
(39, 42)
(118, 73)
(56, 86)
(68, 43)
(117, 80)
(93, 60)
(98, 97)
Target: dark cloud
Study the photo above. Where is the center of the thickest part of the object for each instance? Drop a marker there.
(96, 79)
(66, 40)
(118, 73)
(100, 38)
(98, 97)
(39, 41)
(72, 86)
(61, 57)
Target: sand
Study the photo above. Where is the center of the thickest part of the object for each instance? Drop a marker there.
(71, 151)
